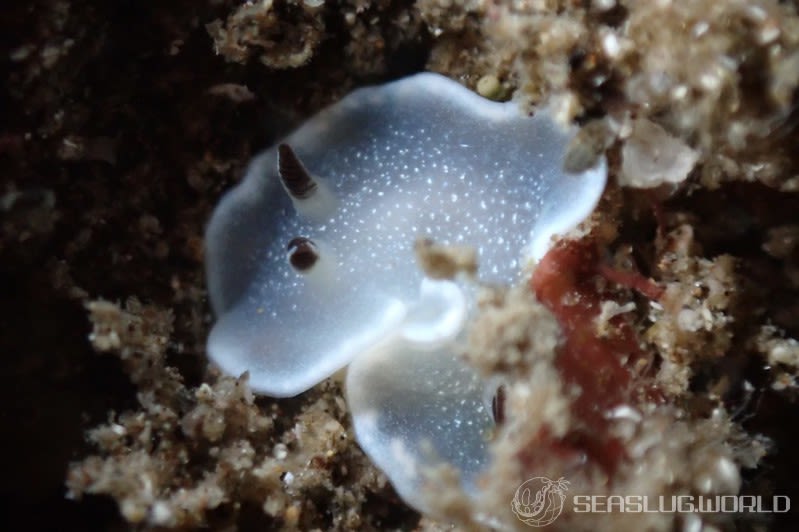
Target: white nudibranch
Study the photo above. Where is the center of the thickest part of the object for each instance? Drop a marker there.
(310, 260)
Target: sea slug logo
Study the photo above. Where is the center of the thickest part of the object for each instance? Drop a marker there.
(539, 501)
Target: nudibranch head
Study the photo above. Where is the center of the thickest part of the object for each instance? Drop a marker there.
(310, 258)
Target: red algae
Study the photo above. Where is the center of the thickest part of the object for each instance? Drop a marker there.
(603, 369)
(633, 280)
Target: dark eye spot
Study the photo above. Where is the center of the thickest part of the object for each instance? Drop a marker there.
(498, 405)
(302, 253)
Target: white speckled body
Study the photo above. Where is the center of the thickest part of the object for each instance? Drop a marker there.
(414, 409)
(420, 157)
